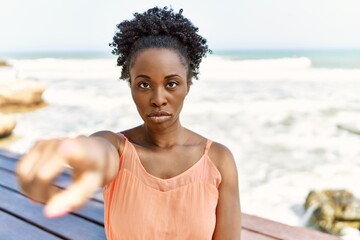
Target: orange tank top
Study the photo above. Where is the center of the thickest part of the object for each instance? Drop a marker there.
(139, 205)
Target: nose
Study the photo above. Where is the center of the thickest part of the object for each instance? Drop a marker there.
(158, 98)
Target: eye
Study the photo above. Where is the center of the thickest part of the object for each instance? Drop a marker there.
(172, 84)
(144, 85)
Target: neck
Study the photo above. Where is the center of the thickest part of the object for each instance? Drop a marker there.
(165, 138)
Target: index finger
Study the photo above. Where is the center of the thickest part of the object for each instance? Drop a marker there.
(75, 196)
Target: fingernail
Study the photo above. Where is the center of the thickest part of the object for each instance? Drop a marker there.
(53, 211)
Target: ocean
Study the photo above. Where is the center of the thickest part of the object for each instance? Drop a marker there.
(288, 116)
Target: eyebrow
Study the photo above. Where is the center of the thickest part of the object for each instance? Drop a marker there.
(172, 75)
(142, 75)
(166, 77)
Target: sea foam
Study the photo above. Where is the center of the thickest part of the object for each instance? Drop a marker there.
(219, 68)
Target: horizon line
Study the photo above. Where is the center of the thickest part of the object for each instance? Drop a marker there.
(215, 49)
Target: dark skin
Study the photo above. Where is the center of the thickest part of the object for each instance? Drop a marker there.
(159, 85)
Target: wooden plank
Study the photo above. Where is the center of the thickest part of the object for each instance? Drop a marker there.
(281, 231)
(67, 227)
(8, 162)
(250, 235)
(13, 228)
(9, 154)
(93, 210)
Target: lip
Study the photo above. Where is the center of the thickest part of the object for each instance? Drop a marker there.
(159, 116)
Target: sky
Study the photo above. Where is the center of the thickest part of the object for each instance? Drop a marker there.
(88, 25)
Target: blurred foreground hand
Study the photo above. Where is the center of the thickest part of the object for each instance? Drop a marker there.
(47, 159)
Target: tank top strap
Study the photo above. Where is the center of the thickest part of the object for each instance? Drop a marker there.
(121, 134)
(207, 146)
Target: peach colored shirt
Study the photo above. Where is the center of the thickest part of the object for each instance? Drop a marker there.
(139, 205)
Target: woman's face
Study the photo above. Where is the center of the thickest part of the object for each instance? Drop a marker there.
(159, 86)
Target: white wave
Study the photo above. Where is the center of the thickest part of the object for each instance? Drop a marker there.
(255, 64)
(50, 68)
(7, 74)
(350, 234)
(308, 213)
(217, 68)
(286, 195)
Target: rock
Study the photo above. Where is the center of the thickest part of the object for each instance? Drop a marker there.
(334, 210)
(7, 124)
(3, 63)
(21, 92)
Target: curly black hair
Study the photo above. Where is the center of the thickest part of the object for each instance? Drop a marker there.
(159, 28)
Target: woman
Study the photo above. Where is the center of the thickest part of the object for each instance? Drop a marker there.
(160, 180)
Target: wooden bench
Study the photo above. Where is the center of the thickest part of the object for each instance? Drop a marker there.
(21, 219)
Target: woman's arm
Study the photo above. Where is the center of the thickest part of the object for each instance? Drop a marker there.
(93, 162)
(115, 145)
(228, 213)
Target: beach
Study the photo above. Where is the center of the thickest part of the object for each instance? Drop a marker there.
(284, 116)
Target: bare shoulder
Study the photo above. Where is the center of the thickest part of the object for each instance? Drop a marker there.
(115, 139)
(222, 157)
